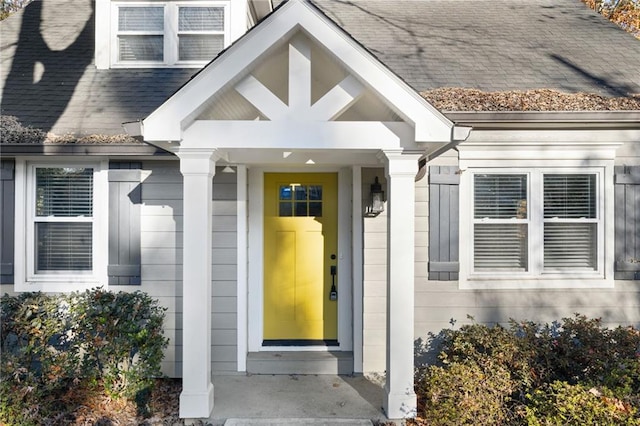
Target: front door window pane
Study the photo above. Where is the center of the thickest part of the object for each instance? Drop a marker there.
(300, 200)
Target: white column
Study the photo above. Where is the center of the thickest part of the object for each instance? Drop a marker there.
(400, 398)
(197, 168)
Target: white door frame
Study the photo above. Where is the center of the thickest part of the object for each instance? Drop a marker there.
(255, 243)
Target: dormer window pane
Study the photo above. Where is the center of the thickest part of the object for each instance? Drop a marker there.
(141, 19)
(140, 34)
(201, 19)
(200, 47)
(141, 48)
(200, 33)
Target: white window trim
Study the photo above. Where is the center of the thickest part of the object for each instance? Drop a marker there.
(170, 33)
(25, 277)
(535, 277)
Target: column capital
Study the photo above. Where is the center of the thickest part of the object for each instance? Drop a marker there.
(198, 161)
(398, 162)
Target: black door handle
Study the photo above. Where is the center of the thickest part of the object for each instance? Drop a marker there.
(333, 294)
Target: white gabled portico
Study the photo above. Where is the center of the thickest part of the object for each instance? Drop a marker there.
(296, 93)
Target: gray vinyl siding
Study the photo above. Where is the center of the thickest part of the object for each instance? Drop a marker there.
(224, 350)
(161, 261)
(439, 304)
(161, 251)
(374, 280)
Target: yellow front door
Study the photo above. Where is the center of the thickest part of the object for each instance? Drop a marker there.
(300, 248)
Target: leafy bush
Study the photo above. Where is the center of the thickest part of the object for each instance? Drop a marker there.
(533, 373)
(57, 347)
(465, 394)
(563, 404)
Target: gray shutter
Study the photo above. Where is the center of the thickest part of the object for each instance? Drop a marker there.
(7, 217)
(627, 223)
(444, 182)
(125, 199)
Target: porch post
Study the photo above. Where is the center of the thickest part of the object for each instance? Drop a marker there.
(197, 168)
(400, 398)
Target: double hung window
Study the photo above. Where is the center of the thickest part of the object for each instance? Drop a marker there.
(63, 220)
(61, 217)
(536, 222)
(170, 33)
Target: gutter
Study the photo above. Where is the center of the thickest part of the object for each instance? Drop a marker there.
(570, 120)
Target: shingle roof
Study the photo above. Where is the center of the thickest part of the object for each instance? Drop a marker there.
(70, 95)
(490, 45)
(494, 45)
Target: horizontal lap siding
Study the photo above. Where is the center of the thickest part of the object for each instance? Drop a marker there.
(161, 251)
(374, 281)
(224, 269)
(438, 303)
(161, 258)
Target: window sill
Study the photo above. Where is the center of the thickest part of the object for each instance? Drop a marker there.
(569, 283)
(59, 284)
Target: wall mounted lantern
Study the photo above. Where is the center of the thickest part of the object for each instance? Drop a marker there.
(376, 200)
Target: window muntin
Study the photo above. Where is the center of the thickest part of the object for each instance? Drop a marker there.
(63, 220)
(548, 225)
(300, 200)
(169, 33)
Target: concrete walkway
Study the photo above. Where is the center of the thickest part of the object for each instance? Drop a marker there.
(296, 399)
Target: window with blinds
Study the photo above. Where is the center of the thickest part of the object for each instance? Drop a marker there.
(500, 222)
(140, 34)
(169, 33)
(535, 222)
(63, 219)
(200, 33)
(570, 222)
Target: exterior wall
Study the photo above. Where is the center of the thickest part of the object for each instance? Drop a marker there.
(224, 260)
(161, 258)
(438, 304)
(374, 280)
(628, 154)
(161, 252)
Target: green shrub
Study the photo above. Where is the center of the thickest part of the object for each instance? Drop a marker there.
(504, 373)
(57, 346)
(561, 403)
(465, 394)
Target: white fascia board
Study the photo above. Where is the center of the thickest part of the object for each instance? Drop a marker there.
(549, 136)
(299, 135)
(549, 145)
(166, 122)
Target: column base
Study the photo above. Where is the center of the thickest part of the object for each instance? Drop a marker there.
(399, 405)
(196, 405)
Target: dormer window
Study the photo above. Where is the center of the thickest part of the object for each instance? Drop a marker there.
(171, 33)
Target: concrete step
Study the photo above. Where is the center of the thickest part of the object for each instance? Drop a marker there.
(298, 422)
(300, 362)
